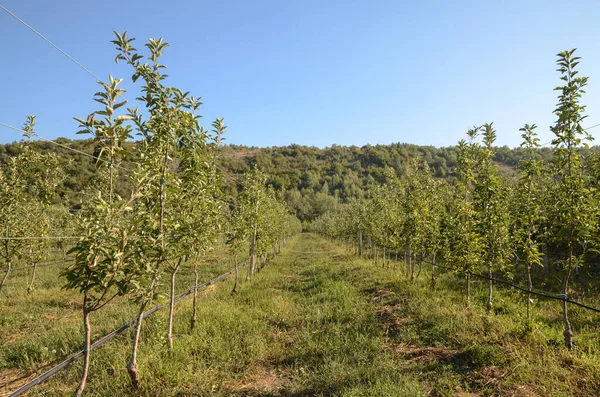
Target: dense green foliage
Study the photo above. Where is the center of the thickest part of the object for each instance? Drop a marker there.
(313, 180)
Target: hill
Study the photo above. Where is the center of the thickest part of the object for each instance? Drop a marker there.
(311, 179)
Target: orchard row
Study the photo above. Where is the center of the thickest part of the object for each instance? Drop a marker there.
(128, 246)
(487, 220)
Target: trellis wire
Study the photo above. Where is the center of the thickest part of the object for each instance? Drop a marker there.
(46, 375)
(42, 265)
(559, 297)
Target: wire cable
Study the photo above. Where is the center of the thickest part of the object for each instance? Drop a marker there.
(114, 334)
(560, 297)
(63, 146)
(51, 43)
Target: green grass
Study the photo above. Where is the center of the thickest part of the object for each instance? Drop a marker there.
(314, 325)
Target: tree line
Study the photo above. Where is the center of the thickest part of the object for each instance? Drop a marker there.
(312, 180)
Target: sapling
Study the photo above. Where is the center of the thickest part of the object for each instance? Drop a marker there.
(172, 123)
(464, 241)
(489, 198)
(576, 203)
(102, 258)
(528, 207)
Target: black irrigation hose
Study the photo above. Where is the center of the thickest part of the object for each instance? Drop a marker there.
(112, 335)
(548, 295)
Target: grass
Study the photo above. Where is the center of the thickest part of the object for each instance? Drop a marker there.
(314, 325)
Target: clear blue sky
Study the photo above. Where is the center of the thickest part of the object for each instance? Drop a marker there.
(312, 72)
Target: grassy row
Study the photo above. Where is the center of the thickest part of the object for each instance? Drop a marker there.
(39, 329)
(334, 324)
(452, 349)
(300, 328)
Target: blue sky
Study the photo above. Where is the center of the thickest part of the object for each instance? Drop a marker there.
(312, 72)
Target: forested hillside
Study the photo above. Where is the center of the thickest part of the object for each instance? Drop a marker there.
(312, 180)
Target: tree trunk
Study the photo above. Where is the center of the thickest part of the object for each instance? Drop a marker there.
(468, 279)
(530, 288)
(195, 303)
(408, 259)
(172, 304)
(235, 286)
(568, 332)
(545, 253)
(132, 368)
(86, 349)
(433, 272)
(383, 263)
(30, 287)
(490, 304)
(360, 243)
(8, 269)
(376, 256)
(252, 255)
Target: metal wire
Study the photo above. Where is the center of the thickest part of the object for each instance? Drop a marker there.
(114, 334)
(50, 42)
(63, 146)
(560, 297)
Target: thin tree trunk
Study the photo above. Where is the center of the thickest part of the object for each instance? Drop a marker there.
(376, 256)
(433, 272)
(383, 263)
(545, 253)
(86, 349)
(195, 303)
(30, 287)
(530, 288)
(490, 304)
(568, 332)
(252, 258)
(8, 269)
(235, 286)
(132, 367)
(360, 243)
(408, 259)
(468, 279)
(172, 304)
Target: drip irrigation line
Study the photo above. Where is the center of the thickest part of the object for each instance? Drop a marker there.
(559, 297)
(114, 334)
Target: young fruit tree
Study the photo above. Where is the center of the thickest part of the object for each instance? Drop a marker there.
(464, 243)
(489, 198)
(576, 205)
(528, 210)
(102, 260)
(172, 122)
